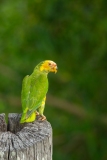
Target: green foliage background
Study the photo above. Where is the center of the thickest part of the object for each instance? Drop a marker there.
(74, 35)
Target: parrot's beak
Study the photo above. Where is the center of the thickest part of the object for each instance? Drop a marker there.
(56, 69)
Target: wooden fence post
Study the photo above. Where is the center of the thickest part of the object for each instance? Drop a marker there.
(29, 141)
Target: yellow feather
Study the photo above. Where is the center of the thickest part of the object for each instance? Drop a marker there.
(45, 66)
(31, 118)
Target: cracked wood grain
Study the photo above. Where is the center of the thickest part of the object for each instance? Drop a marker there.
(29, 141)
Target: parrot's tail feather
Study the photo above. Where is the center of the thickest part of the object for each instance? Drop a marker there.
(29, 115)
(29, 112)
(31, 118)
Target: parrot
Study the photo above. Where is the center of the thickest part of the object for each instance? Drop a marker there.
(34, 90)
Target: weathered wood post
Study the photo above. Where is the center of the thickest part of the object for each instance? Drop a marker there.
(29, 141)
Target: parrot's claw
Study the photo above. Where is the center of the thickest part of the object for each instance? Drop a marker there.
(37, 113)
(42, 118)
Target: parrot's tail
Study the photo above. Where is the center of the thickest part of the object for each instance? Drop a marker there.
(31, 118)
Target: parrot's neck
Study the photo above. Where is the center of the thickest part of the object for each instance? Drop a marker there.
(41, 68)
(37, 69)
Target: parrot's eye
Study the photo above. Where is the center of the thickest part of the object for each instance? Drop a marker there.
(49, 64)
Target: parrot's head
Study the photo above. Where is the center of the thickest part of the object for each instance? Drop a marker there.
(48, 66)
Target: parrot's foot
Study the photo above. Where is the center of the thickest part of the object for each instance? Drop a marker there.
(42, 118)
(37, 113)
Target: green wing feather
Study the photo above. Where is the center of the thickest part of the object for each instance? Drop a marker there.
(34, 89)
(25, 92)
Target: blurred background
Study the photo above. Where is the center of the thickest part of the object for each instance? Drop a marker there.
(74, 35)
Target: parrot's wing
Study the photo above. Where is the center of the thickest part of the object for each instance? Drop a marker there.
(25, 91)
(38, 90)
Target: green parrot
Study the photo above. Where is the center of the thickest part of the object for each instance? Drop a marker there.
(34, 90)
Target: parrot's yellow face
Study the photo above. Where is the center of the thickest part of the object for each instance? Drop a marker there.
(49, 66)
